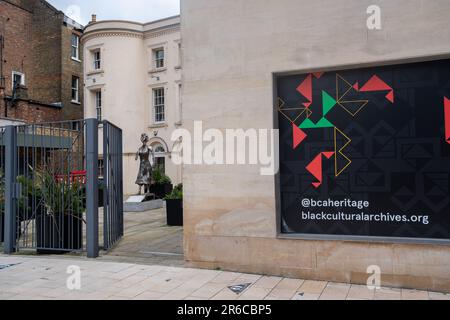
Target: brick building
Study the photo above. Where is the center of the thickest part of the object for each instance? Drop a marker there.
(40, 64)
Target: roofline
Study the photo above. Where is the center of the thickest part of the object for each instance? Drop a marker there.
(134, 22)
(50, 6)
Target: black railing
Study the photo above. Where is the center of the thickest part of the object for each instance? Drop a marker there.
(51, 187)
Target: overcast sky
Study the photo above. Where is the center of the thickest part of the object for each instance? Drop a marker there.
(135, 10)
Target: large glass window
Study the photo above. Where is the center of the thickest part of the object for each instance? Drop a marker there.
(160, 157)
(158, 57)
(75, 89)
(75, 47)
(18, 79)
(159, 105)
(97, 60)
(98, 104)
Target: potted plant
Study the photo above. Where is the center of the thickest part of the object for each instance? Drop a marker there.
(59, 226)
(161, 185)
(174, 206)
(30, 201)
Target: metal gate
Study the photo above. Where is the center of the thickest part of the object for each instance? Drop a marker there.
(112, 185)
(51, 187)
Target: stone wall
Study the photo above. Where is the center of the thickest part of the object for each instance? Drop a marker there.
(30, 112)
(230, 211)
(38, 44)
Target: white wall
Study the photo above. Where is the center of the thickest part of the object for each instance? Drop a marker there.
(127, 78)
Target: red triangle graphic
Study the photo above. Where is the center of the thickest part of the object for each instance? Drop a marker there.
(299, 136)
(447, 119)
(315, 167)
(375, 84)
(305, 88)
(390, 96)
(356, 86)
(318, 75)
(328, 155)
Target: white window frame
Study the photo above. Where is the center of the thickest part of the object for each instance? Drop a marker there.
(76, 47)
(97, 62)
(98, 98)
(159, 107)
(22, 79)
(157, 59)
(159, 154)
(76, 89)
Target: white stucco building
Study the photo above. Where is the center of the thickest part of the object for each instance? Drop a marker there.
(133, 79)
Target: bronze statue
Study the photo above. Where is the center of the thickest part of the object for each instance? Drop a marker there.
(144, 178)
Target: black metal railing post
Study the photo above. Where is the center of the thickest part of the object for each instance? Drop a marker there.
(92, 188)
(10, 186)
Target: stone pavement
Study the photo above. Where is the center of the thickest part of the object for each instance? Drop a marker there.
(31, 278)
(148, 240)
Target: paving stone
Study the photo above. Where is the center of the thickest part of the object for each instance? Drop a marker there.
(414, 295)
(359, 292)
(388, 294)
(335, 292)
(254, 293)
(313, 287)
(267, 282)
(438, 296)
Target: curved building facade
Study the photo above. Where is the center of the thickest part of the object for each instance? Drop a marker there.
(133, 79)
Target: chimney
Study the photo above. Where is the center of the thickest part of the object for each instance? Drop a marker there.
(94, 18)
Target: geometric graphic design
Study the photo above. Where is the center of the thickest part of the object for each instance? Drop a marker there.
(323, 123)
(447, 119)
(376, 84)
(343, 88)
(370, 135)
(328, 103)
(315, 167)
(353, 107)
(299, 136)
(292, 113)
(341, 141)
(305, 88)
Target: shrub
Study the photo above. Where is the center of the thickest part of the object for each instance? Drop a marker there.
(176, 194)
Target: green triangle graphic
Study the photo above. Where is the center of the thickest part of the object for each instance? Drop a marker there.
(307, 124)
(328, 103)
(324, 123)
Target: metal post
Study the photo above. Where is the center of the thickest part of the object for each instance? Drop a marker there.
(92, 188)
(10, 180)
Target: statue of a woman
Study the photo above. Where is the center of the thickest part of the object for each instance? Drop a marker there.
(145, 154)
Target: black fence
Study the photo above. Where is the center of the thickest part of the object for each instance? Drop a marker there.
(50, 187)
(112, 185)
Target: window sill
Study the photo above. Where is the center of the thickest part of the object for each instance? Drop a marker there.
(157, 70)
(76, 60)
(158, 125)
(92, 73)
(76, 102)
